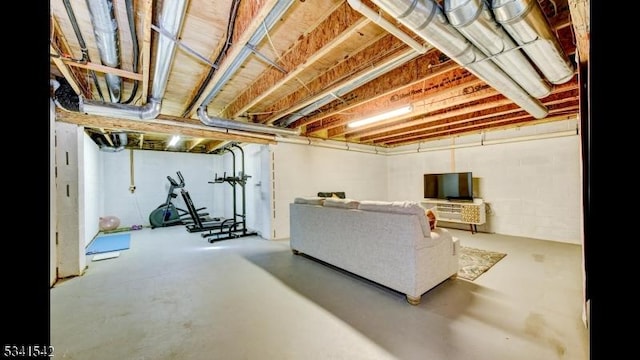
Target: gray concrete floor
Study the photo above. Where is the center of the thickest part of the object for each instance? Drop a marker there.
(173, 295)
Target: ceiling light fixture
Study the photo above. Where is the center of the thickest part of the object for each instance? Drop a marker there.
(174, 140)
(387, 115)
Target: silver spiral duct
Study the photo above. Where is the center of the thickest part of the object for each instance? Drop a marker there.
(171, 19)
(105, 29)
(527, 25)
(474, 20)
(426, 18)
(245, 126)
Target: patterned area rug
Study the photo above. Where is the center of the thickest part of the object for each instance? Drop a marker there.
(475, 262)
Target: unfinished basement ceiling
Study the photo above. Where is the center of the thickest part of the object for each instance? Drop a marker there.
(264, 71)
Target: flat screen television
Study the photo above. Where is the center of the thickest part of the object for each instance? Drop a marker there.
(456, 186)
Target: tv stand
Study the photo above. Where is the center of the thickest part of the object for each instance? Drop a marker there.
(462, 212)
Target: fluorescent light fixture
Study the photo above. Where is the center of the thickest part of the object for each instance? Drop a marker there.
(387, 115)
(174, 140)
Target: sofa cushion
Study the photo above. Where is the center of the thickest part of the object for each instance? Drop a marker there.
(399, 207)
(313, 200)
(341, 203)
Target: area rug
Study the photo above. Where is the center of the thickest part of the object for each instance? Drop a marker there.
(108, 243)
(474, 262)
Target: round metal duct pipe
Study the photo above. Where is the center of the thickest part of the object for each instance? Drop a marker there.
(474, 20)
(105, 28)
(527, 25)
(245, 126)
(171, 19)
(426, 18)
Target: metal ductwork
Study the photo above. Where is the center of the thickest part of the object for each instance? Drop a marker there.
(377, 18)
(426, 18)
(171, 19)
(105, 29)
(245, 126)
(527, 25)
(474, 20)
(270, 20)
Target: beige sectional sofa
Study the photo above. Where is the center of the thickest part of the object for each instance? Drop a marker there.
(389, 243)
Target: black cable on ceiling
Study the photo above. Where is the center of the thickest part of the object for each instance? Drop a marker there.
(83, 46)
(136, 47)
(230, 27)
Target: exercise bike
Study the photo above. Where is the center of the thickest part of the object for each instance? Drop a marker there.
(167, 214)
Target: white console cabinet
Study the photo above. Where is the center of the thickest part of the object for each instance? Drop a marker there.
(464, 212)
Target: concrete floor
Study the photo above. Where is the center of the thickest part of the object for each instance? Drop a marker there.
(173, 295)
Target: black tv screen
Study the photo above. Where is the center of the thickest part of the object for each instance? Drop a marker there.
(449, 186)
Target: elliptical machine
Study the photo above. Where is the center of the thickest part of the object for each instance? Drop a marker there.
(167, 214)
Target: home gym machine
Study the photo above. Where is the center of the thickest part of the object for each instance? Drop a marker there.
(167, 214)
(221, 228)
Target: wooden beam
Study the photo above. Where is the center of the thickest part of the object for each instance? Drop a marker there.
(251, 15)
(68, 75)
(426, 67)
(159, 126)
(381, 53)
(468, 91)
(502, 112)
(215, 146)
(73, 77)
(458, 79)
(422, 122)
(103, 69)
(336, 28)
(581, 26)
(488, 125)
(189, 145)
(465, 112)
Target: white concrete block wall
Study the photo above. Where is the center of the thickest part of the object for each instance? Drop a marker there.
(91, 184)
(302, 170)
(150, 171)
(533, 188)
(258, 189)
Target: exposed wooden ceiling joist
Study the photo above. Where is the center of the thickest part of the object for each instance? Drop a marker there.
(580, 18)
(329, 54)
(169, 127)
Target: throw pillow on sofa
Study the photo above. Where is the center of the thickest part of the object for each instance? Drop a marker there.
(432, 217)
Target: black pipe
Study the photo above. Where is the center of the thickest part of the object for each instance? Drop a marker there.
(136, 50)
(230, 26)
(83, 46)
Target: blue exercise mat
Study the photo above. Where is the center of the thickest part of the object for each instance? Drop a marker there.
(107, 243)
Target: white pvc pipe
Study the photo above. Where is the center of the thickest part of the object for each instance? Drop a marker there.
(377, 18)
